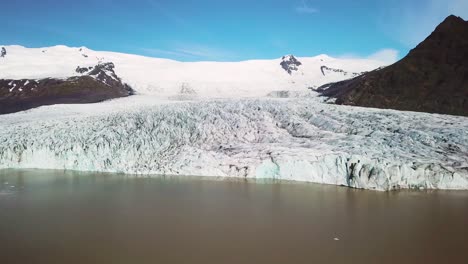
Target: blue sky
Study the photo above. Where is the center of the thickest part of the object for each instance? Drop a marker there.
(228, 30)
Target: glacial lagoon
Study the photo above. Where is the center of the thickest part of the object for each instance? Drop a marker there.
(54, 216)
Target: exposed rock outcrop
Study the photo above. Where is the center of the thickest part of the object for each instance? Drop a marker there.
(289, 63)
(97, 84)
(324, 69)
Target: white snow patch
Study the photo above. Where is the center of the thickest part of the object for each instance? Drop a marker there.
(13, 87)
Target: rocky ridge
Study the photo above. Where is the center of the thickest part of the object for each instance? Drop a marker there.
(95, 84)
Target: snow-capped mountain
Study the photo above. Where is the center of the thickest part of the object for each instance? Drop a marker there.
(168, 78)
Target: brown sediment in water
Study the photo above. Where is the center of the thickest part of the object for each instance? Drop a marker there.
(76, 217)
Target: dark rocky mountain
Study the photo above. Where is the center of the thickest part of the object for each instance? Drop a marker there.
(289, 63)
(97, 84)
(433, 77)
(3, 52)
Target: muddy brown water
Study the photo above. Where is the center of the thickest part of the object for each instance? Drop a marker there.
(71, 217)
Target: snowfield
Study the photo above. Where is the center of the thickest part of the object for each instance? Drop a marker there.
(242, 119)
(172, 79)
(298, 139)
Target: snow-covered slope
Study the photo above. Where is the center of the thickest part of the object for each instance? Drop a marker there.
(167, 78)
(293, 139)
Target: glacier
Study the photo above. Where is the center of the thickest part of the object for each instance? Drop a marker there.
(249, 119)
(300, 139)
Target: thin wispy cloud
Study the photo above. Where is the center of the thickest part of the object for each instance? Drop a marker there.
(304, 8)
(167, 13)
(176, 19)
(192, 52)
(183, 51)
(161, 52)
(387, 56)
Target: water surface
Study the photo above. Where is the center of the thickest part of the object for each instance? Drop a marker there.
(73, 217)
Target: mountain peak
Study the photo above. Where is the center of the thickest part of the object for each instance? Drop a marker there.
(289, 63)
(451, 34)
(453, 19)
(451, 24)
(288, 57)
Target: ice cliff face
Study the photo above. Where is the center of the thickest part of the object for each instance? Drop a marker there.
(291, 139)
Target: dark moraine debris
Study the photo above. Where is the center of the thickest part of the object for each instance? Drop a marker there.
(325, 70)
(83, 70)
(432, 78)
(97, 84)
(289, 63)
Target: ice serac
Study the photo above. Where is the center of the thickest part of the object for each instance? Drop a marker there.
(289, 139)
(433, 77)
